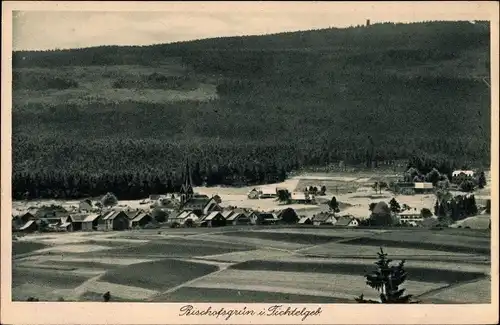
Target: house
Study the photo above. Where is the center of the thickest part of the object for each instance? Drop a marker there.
(214, 219)
(140, 220)
(91, 222)
(266, 218)
(202, 206)
(253, 194)
(211, 206)
(305, 221)
(347, 221)
(300, 198)
(85, 205)
(324, 218)
(268, 193)
(76, 221)
(468, 173)
(28, 227)
(237, 218)
(253, 217)
(227, 213)
(26, 217)
(184, 218)
(217, 198)
(410, 216)
(423, 187)
(114, 220)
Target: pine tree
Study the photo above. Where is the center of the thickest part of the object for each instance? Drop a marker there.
(387, 279)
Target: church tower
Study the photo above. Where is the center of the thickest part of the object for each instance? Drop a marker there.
(186, 191)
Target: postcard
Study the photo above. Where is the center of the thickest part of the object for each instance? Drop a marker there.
(249, 162)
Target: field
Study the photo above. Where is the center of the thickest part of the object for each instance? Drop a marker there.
(248, 264)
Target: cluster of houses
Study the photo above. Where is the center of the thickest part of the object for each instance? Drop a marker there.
(328, 218)
(272, 193)
(81, 221)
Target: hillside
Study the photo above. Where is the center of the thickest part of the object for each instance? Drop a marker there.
(254, 106)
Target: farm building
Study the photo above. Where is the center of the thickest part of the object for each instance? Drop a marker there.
(253, 194)
(76, 221)
(347, 221)
(253, 217)
(30, 226)
(211, 206)
(85, 205)
(266, 218)
(468, 173)
(405, 188)
(305, 221)
(91, 222)
(422, 187)
(237, 218)
(114, 220)
(410, 216)
(26, 217)
(214, 219)
(300, 198)
(227, 213)
(131, 214)
(184, 218)
(140, 220)
(268, 193)
(288, 215)
(324, 218)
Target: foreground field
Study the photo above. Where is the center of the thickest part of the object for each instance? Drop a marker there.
(248, 264)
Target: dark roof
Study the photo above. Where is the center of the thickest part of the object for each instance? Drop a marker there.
(323, 216)
(266, 215)
(132, 214)
(196, 201)
(344, 221)
(78, 217)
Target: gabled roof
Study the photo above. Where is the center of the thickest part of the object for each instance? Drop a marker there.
(196, 202)
(140, 216)
(304, 219)
(235, 215)
(27, 225)
(184, 214)
(227, 213)
(132, 214)
(91, 217)
(268, 190)
(113, 214)
(344, 221)
(323, 216)
(78, 217)
(211, 215)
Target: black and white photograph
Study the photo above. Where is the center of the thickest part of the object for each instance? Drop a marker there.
(288, 154)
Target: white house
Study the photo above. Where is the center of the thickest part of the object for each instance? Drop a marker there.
(468, 173)
(268, 193)
(410, 216)
(324, 218)
(347, 221)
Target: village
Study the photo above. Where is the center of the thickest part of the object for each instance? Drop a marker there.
(312, 206)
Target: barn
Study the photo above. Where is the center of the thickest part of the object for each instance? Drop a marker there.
(214, 219)
(114, 220)
(140, 220)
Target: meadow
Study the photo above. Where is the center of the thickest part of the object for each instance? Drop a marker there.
(197, 266)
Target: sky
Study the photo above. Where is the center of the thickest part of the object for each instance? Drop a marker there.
(70, 26)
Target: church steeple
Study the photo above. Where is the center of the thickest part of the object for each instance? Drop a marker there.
(187, 185)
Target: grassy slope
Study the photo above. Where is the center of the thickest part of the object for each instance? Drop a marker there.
(304, 88)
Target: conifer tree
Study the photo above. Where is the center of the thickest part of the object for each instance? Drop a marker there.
(387, 279)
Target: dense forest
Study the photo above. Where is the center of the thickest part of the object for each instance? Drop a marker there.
(248, 109)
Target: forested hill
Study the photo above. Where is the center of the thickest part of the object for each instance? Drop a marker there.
(252, 108)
